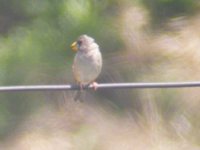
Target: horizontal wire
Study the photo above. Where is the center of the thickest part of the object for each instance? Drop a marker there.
(99, 86)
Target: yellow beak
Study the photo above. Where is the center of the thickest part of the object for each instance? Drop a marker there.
(74, 46)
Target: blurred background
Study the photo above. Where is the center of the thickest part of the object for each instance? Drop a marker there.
(141, 41)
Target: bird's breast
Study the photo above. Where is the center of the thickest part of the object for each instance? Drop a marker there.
(87, 66)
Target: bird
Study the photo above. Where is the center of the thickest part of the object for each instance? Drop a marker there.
(87, 64)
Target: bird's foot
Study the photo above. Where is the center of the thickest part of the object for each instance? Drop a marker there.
(94, 85)
(81, 86)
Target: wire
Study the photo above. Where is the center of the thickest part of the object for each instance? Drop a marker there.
(99, 86)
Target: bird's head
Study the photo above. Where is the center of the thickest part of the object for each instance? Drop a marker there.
(84, 43)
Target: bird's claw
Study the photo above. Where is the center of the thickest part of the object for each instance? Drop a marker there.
(94, 85)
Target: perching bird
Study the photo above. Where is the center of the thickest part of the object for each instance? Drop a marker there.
(87, 62)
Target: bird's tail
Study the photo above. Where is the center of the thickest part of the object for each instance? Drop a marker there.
(80, 95)
(77, 96)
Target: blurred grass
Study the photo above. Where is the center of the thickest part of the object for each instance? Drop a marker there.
(35, 38)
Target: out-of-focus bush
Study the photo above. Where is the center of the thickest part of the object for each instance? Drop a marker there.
(35, 49)
(161, 10)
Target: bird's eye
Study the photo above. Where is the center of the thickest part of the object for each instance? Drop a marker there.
(80, 42)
